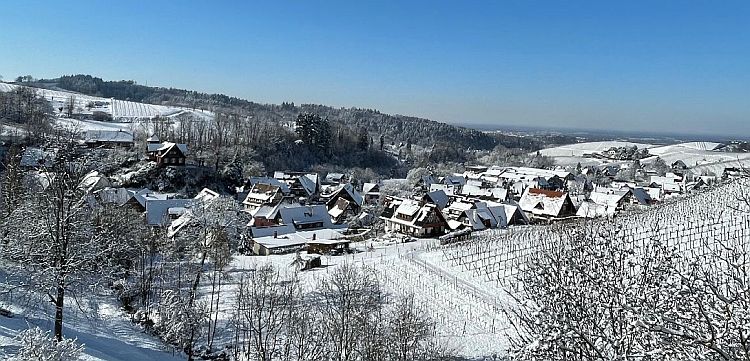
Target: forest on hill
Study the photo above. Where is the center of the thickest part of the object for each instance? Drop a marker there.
(394, 128)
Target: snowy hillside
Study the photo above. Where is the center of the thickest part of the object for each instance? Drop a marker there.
(700, 156)
(104, 330)
(120, 110)
(579, 149)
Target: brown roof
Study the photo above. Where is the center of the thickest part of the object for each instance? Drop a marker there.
(548, 193)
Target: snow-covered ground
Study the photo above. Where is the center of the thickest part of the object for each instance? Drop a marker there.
(120, 110)
(579, 149)
(105, 331)
(699, 156)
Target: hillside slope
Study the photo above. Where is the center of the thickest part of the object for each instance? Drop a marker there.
(394, 128)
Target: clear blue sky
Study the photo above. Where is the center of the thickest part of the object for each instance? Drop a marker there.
(630, 65)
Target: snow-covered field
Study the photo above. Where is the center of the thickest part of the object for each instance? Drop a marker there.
(120, 110)
(469, 319)
(579, 149)
(699, 156)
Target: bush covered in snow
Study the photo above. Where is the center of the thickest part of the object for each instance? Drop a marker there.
(38, 345)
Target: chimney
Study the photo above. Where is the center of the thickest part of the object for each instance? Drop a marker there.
(275, 234)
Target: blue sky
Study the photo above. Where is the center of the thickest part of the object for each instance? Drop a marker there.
(627, 65)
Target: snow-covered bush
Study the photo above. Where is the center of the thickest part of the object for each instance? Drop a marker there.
(38, 345)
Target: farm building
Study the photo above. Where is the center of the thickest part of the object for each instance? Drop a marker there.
(108, 138)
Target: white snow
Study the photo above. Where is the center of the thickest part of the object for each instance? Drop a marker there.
(579, 149)
(698, 156)
(120, 110)
(105, 331)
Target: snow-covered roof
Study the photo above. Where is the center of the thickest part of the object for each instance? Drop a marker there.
(411, 211)
(472, 190)
(408, 207)
(543, 202)
(157, 209)
(341, 206)
(206, 195)
(309, 183)
(295, 217)
(453, 180)
(334, 177)
(355, 196)
(323, 236)
(439, 198)
(261, 193)
(593, 210)
(271, 181)
(460, 206)
(368, 188)
(108, 136)
(445, 188)
(166, 146)
(94, 181)
(608, 197)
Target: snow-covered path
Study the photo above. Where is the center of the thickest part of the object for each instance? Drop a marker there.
(108, 335)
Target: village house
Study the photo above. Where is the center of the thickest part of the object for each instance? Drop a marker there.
(605, 202)
(449, 190)
(454, 180)
(293, 228)
(108, 138)
(495, 194)
(262, 194)
(371, 192)
(479, 215)
(486, 216)
(413, 218)
(542, 204)
(671, 183)
(301, 184)
(159, 208)
(343, 202)
(187, 218)
(336, 178)
(166, 153)
(438, 198)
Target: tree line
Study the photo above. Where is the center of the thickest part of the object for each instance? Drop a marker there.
(395, 128)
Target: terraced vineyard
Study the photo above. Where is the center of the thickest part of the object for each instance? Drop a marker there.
(693, 225)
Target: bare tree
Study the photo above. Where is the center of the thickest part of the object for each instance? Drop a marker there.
(349, 298)
(52, 235)
(263, 305)
(410, 330)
